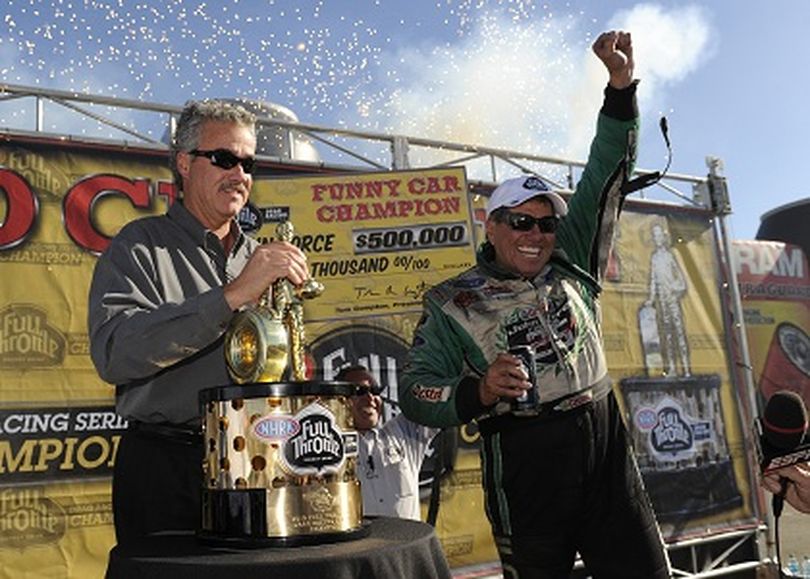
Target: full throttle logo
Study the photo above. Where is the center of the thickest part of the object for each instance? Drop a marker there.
(318, 447)
(27, 339)
(378, 349)
(672, 433)
(35, 169)
(28, 517)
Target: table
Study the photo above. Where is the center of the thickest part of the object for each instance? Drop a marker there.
(392, 548)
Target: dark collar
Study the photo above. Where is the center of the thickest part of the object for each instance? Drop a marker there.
(205, 237)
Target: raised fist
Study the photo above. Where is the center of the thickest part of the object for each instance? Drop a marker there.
(615, 50)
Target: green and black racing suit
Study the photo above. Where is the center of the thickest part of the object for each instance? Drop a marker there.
(563, 480)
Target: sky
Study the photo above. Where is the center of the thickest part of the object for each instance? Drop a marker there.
(732, 78)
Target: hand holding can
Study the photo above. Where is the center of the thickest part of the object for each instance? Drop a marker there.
(526, 403)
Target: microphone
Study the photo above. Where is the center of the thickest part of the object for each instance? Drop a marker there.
(784, 422)
(781, 431)
(664, 126)
(644, 181)
(781, 438)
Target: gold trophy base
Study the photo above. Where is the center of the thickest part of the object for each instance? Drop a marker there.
(280, 464)
(286, 517)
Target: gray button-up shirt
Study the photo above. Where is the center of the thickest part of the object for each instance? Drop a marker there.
(157, 314)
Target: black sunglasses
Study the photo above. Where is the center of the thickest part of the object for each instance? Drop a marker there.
(361, 389)
(523, 222)
(224, 159)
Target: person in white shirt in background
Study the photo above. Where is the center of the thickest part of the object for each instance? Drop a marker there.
(390, 455)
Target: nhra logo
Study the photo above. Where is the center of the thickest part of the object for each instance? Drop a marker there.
(275, 428)
(317, 448)
(275, 214)
(27, 339)
(672, 433)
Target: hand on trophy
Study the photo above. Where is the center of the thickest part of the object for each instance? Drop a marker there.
(269, 263)
(262, 341)
(310, 288)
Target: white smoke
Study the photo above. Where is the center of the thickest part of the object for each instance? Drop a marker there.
(667, 46)
(504, 85)
(534, 85)
(670, 44)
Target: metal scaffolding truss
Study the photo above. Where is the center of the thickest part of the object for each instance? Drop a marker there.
(341, 142)
(349, 150)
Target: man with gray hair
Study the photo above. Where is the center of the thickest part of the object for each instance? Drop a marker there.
(162, 296)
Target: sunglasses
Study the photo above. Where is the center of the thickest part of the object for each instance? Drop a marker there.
(523, 222)
(224, 159)
(362, 389)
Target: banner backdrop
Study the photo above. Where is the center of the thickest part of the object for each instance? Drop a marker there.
(667, 349)
(58, 428)
(377, 241)
(775, 288)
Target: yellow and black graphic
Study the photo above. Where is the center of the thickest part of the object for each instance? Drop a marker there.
(57, 444)
(775, 286)
(27, 339)
(667, 349)
(377, 241)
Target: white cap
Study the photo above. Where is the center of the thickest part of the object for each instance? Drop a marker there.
(513, 192)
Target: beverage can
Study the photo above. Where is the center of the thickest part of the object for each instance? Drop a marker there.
(526, 403)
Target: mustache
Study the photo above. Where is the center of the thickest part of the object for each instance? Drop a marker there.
(234, 185)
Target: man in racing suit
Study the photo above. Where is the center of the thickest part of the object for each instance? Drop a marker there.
(559, 478)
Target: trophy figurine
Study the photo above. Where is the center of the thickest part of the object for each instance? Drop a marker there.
(263, 341)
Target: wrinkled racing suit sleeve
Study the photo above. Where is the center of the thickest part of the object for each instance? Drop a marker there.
(439, 386)
(616, 129)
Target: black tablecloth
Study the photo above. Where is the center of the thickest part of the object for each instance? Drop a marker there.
(392, 548)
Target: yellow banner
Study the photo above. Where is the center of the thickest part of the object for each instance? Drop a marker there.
(377, 241)
(61, 207)
(667, 350)
(775, 288)
(58, 429)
